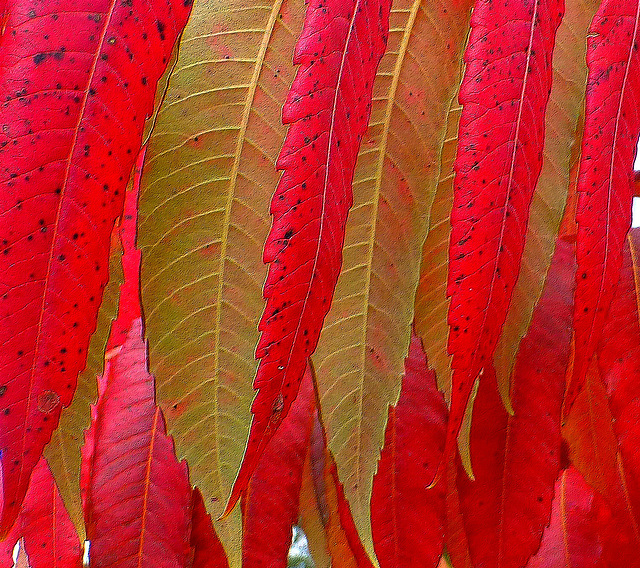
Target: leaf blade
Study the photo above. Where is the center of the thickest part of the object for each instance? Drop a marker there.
(59, 139)
(327, 110)
(497, 166)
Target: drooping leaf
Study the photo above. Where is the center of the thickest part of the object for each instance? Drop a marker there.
(619, 360)
(63, 452)
(366, 333)
(561, 153)
(272, 497)
(605, 179)
(504, 95)
(593, 449)
(67, 146)
(312, 521)
(342, 541)
(134, 482)
(408, 520)
(50, 539)
(432, 304)
(327, 111)
(517, 457)
(456, 541)
(207, 548)
(204, 215)
(571, 540)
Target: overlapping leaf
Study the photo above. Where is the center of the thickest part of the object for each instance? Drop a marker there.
(561, 153)
(338, 535)
(605, 180)
(504, 95)
(207, 548)
(362, 348)
(134, 481)
(431, 303)
(209, 176)
(619, 360)
(571, 540)
(273, 495)
(63, 179)
(44, 526)
(593, 449)
(517, 458)
(407, 519)
(327, 111)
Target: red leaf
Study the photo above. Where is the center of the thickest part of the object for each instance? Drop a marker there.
(129, 303)
(619, 358)
(517, 458)
(407, 521)
(504, 96)
(50, 539)
(207, 548)
(77, 80)
(328, 110)
(605, 179)
(136, 482)
(593, 448)
(571, 540)
(273, 493)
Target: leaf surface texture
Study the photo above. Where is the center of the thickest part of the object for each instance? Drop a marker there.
(63, 180)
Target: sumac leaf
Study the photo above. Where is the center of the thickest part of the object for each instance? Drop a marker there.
(605, 178)
(134, 480)
(563, 132)
(619, 360)
(328, 110)
(49, 537)
(207, 548)
(517, 458)
(407, 520)
(504, 96)
(571, 540)
(273, 494)
(77, 80)
(366, 334)
(204, 216)
(594, 452)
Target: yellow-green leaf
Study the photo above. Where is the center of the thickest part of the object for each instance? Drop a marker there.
(204, 216)
(359, 359)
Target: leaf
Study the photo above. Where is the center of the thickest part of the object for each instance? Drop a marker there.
(67, 144)
(366, 335)
(272, 498)
(50, 539)
(571, 540)
(504, 95)
(456, 542)
(407, 521)
(619, 362)
(343, 544)
(561, 153)
(432, 304)
(207, 548)
(327, 111)
(605, 177)
(135, 481)
(312, 521)
(517, 457)
(204, 215)
(593, 449)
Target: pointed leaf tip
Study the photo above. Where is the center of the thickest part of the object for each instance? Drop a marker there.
(327, 110)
